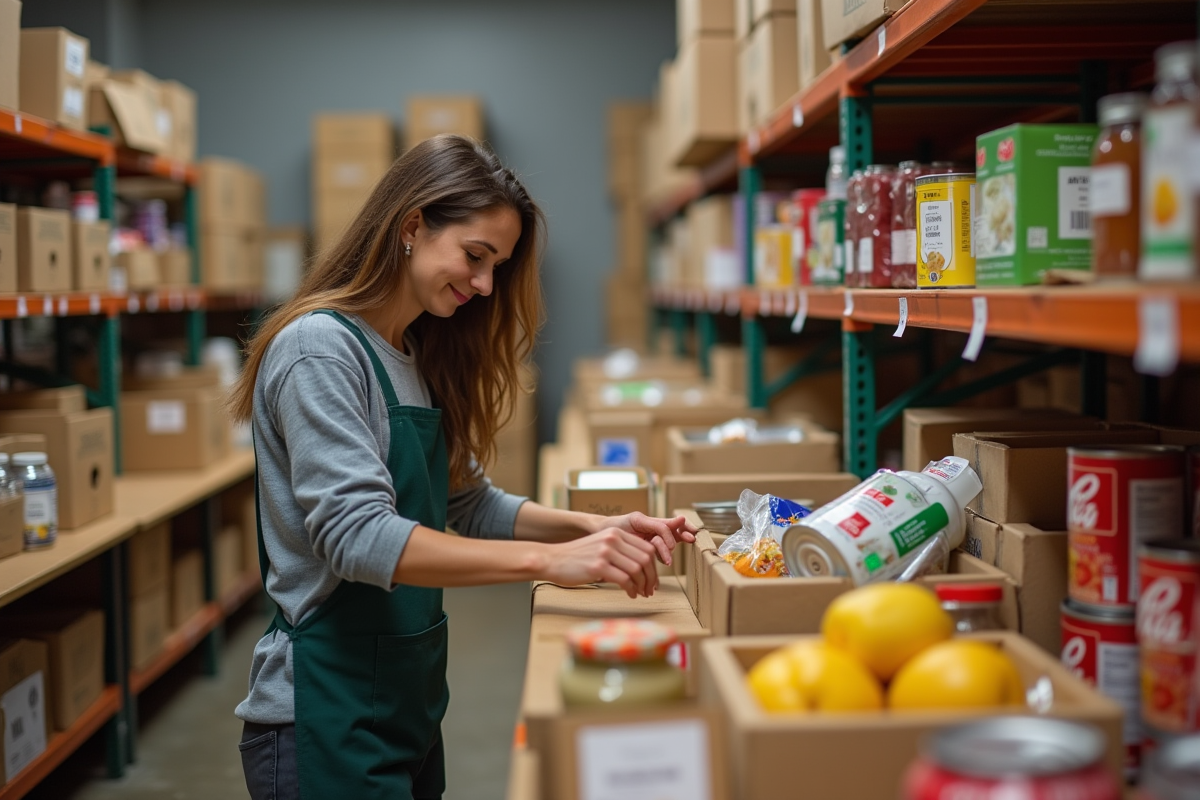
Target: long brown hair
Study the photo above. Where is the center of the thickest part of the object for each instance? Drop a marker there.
(471, 361)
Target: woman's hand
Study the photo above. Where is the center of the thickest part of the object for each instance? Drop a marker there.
(662, 534)
(611, 555)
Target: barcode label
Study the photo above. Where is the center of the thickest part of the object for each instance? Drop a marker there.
(1074, 215)
(17, 729)
(1081, 221)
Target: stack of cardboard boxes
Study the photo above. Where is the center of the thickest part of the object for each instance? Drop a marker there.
(626, 291)
(351, 152)
(233, 220)
(177, 422)
(428, 115)
(768, 67)
(516, 445)
(703, 109)
(150, 583)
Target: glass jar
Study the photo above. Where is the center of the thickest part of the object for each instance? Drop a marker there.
(835, 176)
(974, 606)
(1115, 188)
(1168, 126)
(41, 499)
(10, 483)
(875, 235)
(620, 662)
(855, 209)
(904, 224)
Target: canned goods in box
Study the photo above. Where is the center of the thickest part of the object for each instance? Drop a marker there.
(1099, 645)
(1031, 758)
(1166, 624)
(1116, 498)
(945, 249)
(1173, 770)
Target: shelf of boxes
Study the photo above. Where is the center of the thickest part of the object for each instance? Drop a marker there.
(26, 137)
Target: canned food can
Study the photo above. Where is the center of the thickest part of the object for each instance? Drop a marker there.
(1166, 625)
(945, 245)
(1118, 497)
(1099, 645)
(1032, 758)
(1172, 770)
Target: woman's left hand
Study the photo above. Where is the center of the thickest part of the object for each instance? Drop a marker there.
(663, 534)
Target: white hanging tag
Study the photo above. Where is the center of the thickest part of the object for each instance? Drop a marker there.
(753, 142)
(882, 40)
(849, 309)
(797, 116)
(134, 304)
(94, 304)
(17, 122)
(978, 329)
(801, 314)
(152, 302)
(764, 303)
(64, 307)
(22, 307)
(900, 326)
(1157, 350)
(47, 306)
(789, 304)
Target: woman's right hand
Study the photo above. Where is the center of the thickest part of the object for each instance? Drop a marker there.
(611, 555)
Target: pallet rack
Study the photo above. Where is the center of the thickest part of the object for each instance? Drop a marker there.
(925, 83)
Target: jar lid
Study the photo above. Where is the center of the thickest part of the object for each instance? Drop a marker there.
(3, 459)
(1175, 62)
(620, 640)
(837, 154)
(29, 459)
(970, 592)
(1120, 109)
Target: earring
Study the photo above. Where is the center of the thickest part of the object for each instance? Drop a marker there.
(408, 248)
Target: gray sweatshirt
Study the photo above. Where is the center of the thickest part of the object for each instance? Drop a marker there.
(327, 505)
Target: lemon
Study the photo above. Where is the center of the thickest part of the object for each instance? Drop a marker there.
(813, 676)
(885, 624)
(961, 673)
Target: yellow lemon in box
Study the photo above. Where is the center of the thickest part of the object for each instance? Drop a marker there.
(812, 676)
(960, 673)
(883, 625)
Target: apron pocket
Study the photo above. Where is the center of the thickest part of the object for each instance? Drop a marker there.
(259, 763)
(410, 694)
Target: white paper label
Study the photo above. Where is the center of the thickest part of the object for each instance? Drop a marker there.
(904, 246)
(63, 306)
(617, 452)
(789, 304)
(41, 513)
(94, 304)
(882, 41)
(752, 141)
(24, 724)
(1158, 336)
(75, 60)
(849, 247)
(849, 309)
(764, 303)
(1074, 221)
(801, 313)
(47, 306)
(17, 123)
(629, 762)
(866, 254)
(1117, 678)
(22, 307)
(133, 304)
(903, 323)
(152, 302)
(163, 120)
(797, 116)
(166, 416)
(1108, 194)
(978, 328)
(72, 104)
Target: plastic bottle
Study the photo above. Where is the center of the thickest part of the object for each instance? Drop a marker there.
(974, 606)
(41, 499)
(837, 175)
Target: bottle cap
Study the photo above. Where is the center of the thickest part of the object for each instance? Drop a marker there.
(29, 459)
(3, 459)
(620, 640)
(1175, 62)
(958, 476)
(970, 592)
(837, 154)
(1121, 109)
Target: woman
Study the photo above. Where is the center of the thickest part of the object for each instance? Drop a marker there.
(375, 394)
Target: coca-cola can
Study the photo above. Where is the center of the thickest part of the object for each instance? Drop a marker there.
(1099, 645)
(1169, 570)
(1117, 498)
(1033, 758)
(1173, 771)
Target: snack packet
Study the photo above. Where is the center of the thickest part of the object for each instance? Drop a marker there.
(754, 550)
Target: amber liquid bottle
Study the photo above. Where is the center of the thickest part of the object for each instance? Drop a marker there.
(1116, 186)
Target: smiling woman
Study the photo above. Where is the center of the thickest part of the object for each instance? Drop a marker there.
(375, 395)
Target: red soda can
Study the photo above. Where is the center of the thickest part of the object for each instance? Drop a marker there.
(1117, 498)
(804, 232)
(1099, 646)
(1031, 758)
(1169, 571)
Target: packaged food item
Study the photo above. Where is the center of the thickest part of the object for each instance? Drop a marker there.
(974, 606)
(805, 213)
(945, 242)
(830, 261)
(1116, 188)
(1169, 571)
(856, 209)
(904, 224)
(774, 265)
(41, 499)
(1032, 214)
(620, 662)
(874, 259)
(754, 550)
(1168, 205)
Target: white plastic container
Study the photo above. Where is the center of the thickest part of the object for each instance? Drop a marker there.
(41, 499)
(887, 524)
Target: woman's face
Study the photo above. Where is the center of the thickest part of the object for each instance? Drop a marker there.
(449, 267)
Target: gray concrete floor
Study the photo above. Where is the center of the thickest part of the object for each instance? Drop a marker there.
(187, 742)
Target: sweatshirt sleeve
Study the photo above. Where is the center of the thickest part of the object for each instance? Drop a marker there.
(338, 476)
(483, 511)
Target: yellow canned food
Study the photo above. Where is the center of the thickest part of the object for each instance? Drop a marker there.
(945, 247)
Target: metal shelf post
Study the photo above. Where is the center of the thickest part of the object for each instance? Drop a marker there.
(117, 742)
(754, 338)
(706, 337)
(108, 354)
(197, 322)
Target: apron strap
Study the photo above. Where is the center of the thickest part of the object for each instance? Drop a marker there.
(381, 376)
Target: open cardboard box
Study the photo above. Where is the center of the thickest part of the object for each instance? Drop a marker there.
(690, 453)
(862, 755)
(680, 491)
(929, 432)
(609, 501)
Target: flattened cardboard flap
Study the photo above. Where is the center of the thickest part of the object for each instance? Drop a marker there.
(132, 113)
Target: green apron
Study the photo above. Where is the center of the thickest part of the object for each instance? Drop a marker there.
(370, 665)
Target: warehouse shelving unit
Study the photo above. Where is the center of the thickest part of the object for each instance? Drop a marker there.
(926, 82)
(40, 149)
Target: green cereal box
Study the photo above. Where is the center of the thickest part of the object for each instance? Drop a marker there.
(1032, 202)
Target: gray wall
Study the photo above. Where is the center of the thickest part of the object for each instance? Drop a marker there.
(545, 68)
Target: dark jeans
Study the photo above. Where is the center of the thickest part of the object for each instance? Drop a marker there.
(269, 762)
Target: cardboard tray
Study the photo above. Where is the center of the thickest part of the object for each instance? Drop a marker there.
(818, 452)
(863, 755)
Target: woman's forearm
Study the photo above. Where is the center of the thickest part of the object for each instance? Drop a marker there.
(435, 559)
(537, 523)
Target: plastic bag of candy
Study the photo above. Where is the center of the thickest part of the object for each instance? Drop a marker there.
(754, 550)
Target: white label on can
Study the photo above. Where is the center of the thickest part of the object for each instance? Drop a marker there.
(617, 452)
(1154, 505)
(74, 60)
(1074, 221)
(628, 762)
(937, 231)
(166, 416)
(866, 254)
(24, 708)
(1117, 672)
(904, 246)
(1109, 193)
(41, 515)
(72, 105)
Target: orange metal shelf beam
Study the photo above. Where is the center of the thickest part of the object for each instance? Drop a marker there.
(48, 135)
(179, 643)
(135, 162)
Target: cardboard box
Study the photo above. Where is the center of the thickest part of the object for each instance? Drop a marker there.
(12, 526)
(189, 378)
(22, 443)
(75, 647)
(8, 241)
(819, 746)
(90, 258)
(516, 450)
(347, 174)
(743, 18)
(770, 72)
(230, 194)
(53, 61)
(175, 267)
(679, 492)
(65, 399)
(24, 677)
(369, 134)
(149, 558)
(150, 89)
(227, 560)
(127, 112)
(690, 452)
(842, 21)
(179, 103)
(148, 627)
(43, 250)
(138, 270)
(428, 116)
(1024, 475)
(1036, 560)
(929, 432)
(80, 449)
(696, 18)
(173, 429)
(811, 52)
(610, 502)
(818, 396)
(762, 9)
(523, 769)
(705, 110)
(10, 54)
(187, 587)
(224, 259)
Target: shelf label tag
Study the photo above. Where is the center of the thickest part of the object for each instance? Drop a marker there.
(22, 307)
(978, 329)
(797, 116)
(764, 303)
(789, 304)
(620, 762)
(801, 313)
(175, 301)
(882, 40)
(47, 306)
(733, 304)
(24, 708)
(17, 122)
(152, 302)
(753, 142)
(900, 326)
(94, 304)
(193, 300)
(64, 307)
(134, 304)
(849, 309)
(1157, 350)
